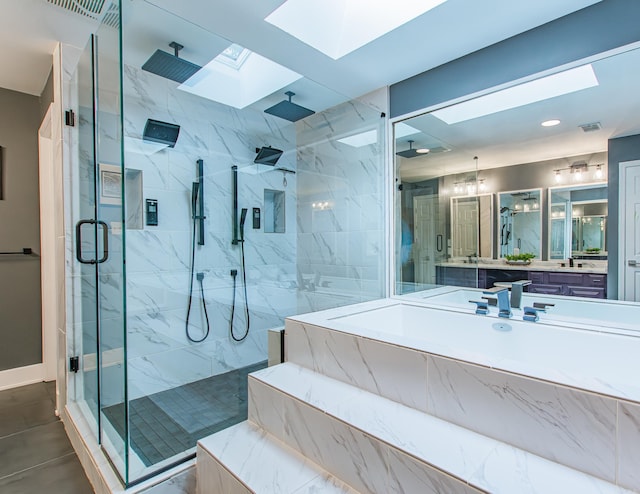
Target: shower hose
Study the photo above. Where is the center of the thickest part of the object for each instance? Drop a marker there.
(234, 273)
(200, 280)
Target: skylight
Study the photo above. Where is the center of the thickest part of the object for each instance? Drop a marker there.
(238, 77)
(338, 27)
(541, 89)
(362, 139)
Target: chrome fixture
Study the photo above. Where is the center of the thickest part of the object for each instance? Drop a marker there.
(517, 287)
(502, 294)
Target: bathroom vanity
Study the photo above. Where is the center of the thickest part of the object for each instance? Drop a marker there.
(546, 277)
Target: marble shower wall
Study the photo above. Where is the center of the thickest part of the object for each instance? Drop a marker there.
(340, 212)
(158, 257)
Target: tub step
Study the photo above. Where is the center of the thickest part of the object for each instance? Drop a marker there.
(244, 459)
(378, 445)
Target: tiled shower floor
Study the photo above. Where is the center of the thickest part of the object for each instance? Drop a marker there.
(169, 422)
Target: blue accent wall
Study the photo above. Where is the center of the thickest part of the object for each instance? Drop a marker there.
(601, 27)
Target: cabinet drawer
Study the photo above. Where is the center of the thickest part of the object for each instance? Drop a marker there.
(565, 279)
(536, 277)
(595, 280)
(546, 289)
(585, 291)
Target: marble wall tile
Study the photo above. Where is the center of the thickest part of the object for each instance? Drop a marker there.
(564, 425)
(213, 477)
(350, 455)
(266, 408)
(629, 445)
(182, 483)
(390, 371)
(161, 371)
(408, 475)
(508, 469)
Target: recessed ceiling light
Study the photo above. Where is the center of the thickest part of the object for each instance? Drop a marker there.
(240, 82)
(338, 27)
(550, 123)
(541, 89)
(422, 150)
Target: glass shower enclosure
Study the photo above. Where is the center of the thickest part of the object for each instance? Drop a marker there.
(197, 221)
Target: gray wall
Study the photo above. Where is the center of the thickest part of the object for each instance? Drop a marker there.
(603, 26)
(20, 327)
(46, 98)
(620, 149)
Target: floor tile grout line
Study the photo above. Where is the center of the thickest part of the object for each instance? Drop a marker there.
(30, 428)
(38, 465)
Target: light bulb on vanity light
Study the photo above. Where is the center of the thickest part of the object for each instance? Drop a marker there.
(599, 173)
(558, 176)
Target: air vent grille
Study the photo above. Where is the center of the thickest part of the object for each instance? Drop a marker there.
(591, 127)
(88, 8)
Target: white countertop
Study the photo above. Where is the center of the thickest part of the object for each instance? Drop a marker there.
(590, 267)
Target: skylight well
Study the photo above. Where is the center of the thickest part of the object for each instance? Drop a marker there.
(541, 89)
(239, 77)
(338, 27)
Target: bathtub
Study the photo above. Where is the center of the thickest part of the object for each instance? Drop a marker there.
(602, 362)
(605, 315)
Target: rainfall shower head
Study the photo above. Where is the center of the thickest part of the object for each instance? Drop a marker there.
(409, 153)
(170, 66)
(267, 156)
(288, 110)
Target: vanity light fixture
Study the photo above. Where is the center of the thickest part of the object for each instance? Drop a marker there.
(550, 123)
(598, 173)
(579, 170)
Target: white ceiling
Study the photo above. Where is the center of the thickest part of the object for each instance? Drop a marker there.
(29, 30)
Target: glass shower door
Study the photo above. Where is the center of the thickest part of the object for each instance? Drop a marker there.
(98, 386)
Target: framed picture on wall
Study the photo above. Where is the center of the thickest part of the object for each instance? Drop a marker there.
(110, 184)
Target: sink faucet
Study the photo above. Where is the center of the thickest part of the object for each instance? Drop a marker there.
(516, 292)
(502, 294)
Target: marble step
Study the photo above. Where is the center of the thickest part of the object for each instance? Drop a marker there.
(594, 433)
(380, 446)
(244, 459)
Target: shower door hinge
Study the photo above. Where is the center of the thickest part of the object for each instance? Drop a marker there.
(74, 364)
(70, 118)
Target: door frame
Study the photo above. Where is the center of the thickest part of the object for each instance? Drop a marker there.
(623, 166)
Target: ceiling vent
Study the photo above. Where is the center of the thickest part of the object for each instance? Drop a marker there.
(103, 11)
(591, 127)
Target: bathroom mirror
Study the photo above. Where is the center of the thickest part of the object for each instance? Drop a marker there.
(471, 231)
(519, 222)
(578, 222)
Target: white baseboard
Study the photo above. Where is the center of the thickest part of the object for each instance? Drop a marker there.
(12, 378)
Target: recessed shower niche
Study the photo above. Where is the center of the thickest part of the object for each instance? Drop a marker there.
(274, 218)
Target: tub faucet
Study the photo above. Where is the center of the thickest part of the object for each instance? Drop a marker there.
(516, 292)
(502, 294)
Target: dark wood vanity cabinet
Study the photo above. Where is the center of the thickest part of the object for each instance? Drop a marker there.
(573, 283)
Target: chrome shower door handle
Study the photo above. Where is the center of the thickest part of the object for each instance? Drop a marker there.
(105, 241)
(79, 241)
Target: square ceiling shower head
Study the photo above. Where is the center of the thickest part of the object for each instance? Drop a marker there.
(288, 110)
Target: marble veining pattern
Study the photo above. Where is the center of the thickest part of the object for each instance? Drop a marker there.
(572, 427)
(629, 445)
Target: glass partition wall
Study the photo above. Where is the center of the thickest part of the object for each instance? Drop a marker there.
(512, 177)
(230, 217)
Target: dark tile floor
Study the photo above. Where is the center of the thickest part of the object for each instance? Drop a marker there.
(35, 453)
(170, 422)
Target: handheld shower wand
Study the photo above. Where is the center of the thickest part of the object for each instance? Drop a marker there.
(243, 217)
